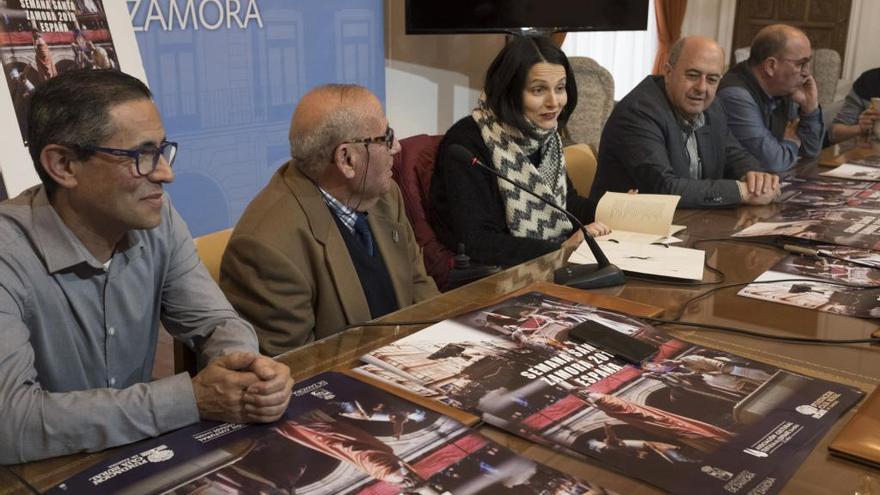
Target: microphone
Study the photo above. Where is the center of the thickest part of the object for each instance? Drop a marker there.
(602, 274)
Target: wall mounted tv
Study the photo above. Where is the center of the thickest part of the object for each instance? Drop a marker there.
(511, 16)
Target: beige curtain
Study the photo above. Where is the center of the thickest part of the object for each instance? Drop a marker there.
(670, 16)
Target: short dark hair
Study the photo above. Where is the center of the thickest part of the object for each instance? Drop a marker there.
(769, 42)
(506, 80)
(72, 109)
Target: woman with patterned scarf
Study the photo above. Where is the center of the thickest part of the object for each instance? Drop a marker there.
(528, 95)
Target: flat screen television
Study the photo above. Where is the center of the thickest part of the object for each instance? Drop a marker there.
(512, 16)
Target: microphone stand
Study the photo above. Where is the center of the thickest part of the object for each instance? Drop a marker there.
(592, 276)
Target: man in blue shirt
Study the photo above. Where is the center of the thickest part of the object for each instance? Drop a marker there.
(771, 100)
(90, 262)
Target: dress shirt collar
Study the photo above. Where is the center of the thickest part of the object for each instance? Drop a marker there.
(347, 215)
(690, 125)
(60, 247)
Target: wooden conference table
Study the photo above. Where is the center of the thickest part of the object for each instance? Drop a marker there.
(855, 365)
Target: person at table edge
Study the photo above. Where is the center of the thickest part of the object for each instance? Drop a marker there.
(670, 136)
(90, 262)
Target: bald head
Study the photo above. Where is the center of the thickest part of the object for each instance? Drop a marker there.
(691, 45)
(773, 41)
(692, 74)
(325, 117)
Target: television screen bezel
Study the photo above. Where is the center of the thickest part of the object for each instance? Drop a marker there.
(520, 29)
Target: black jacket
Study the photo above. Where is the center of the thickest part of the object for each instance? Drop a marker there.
(467, 206)
(643, 148)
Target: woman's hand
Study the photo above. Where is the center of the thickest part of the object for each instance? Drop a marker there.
(597, 229)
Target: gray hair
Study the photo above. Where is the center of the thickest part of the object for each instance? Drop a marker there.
(312, 148)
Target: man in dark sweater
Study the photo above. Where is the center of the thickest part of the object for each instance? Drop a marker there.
(668, 137)
(771, 100)
(327, 243)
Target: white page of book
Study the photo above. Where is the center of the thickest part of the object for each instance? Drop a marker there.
(627, 236)
(644, 213)
(649, 259)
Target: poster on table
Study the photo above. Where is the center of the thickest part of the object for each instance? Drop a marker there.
(338, 436)
(802, 281)
(841, 212)
(688, 420)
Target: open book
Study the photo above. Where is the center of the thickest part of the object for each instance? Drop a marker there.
(642, 218)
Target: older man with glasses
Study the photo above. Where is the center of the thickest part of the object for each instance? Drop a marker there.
(771, 99)
(90, 262)
(327, 243)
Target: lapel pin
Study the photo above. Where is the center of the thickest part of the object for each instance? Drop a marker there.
(395, 236)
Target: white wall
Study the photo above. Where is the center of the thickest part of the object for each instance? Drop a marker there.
(431, 80)
(628, 55)
(863, 41)
(425, 100)
(712, 18)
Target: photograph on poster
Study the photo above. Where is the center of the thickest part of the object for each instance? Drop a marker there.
(39, 40)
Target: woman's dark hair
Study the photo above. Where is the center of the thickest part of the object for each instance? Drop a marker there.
(506, 79)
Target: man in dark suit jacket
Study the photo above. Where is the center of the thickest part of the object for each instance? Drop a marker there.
(667, 137)
(327, 243)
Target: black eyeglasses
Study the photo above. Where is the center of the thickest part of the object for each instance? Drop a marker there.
(388, 139)
(799, 63)
(146, 159)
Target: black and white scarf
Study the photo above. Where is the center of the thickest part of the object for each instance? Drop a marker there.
(510, 150)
